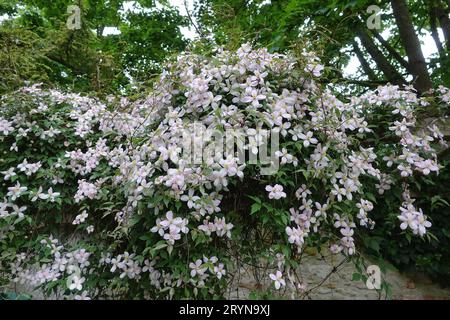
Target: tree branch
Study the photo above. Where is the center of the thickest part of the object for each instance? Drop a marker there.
(394, 53)
(433, 26)
(364, 64)
(392, 75)
(412, 46)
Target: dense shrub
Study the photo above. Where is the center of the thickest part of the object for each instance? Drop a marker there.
(100, 199)
(432, 257)
(408, 253)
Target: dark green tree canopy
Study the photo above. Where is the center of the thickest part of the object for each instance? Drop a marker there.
(331, 28)
(87, 59)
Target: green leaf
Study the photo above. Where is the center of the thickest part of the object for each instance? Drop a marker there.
(356, 277)
(255, 208)
(159, 245)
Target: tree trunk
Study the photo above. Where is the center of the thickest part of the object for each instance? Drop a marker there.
(364, 64)
(383, 64)
(444, 21)
(391, 50)
(433, 25)
(412, 46)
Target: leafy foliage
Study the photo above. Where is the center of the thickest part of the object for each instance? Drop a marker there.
(83, 60)
(100, 201)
